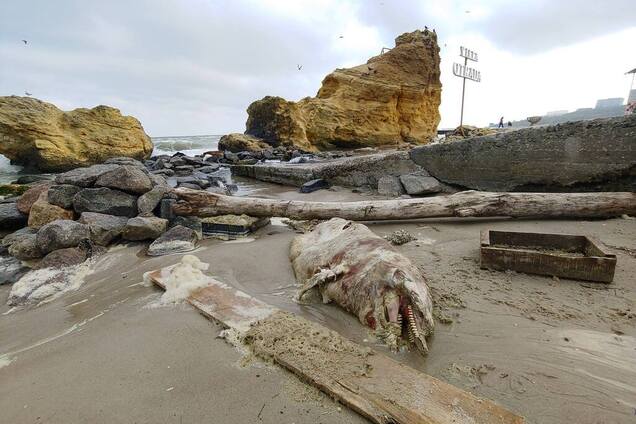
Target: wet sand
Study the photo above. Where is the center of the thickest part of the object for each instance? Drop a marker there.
(551, 350)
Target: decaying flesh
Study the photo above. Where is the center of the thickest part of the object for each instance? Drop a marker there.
(365, 275)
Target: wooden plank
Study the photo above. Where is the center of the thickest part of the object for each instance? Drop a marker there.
(220, 302)
(381, 389)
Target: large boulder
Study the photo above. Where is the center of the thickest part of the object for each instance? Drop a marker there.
(42, 212)
(144, 228)
(149, 201)
(9, 239)
(393, 98)
(390, 186)
(10, 217)
(420, 183)
(84, 177)
(103, 228)
(242, 143)
(62, 195)
(31, 196)
(127, 178)
(61, 234)
(11, 269)
(25, 248)
(38, 134)
(177, 239)
(105, 200)
(595, 155)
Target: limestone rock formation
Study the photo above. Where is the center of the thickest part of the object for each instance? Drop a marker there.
(38, 134)
(391, 99)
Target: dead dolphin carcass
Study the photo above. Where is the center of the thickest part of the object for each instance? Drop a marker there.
(365, 275)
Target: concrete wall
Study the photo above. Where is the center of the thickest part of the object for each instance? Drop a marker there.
(596, 155)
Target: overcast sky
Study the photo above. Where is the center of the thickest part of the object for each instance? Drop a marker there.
(188, 67)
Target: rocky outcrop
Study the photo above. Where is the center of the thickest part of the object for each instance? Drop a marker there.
(597, 155)
(391, 99)
(38, 134)
(242, 143)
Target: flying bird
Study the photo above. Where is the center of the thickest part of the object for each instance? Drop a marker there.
(342, 36)
(300, 67)
(25, 41)
(467, 11)
(27, 93)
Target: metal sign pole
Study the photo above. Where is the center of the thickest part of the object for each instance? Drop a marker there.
(461, 118)
(463, 71)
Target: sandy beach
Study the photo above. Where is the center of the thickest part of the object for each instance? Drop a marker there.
(542, 347)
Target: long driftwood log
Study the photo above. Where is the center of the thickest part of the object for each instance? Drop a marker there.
(463, 204)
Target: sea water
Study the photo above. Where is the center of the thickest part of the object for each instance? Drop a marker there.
(190, 145)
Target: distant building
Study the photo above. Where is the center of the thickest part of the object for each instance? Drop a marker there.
(556, 113)
(607, 103)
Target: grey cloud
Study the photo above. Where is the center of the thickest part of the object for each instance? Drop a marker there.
(529, 27)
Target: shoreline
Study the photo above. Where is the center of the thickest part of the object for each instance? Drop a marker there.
(502, 323)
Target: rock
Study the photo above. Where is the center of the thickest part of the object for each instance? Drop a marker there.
(158, 180)
(84, 177)
(123, 160)
(26, 248)
(183, 170)
(62, 195)
(163, 172)
(177, 239)
(62, 258)
(242, 143)
(42, 212)
(314, 185)
(11, 269)
(392, 98)
(61, 234)
(11, 190)
(9, 239)
(30, 179)
(208, 169)
(193, 180)
(165, 208)
(594, 155)
(10, 217)
(190, 186)
(27, 200)
(149, 201)
(192, 222)
(144, 228)
(126, 178)
(390, 186)
(420, 183)
(193, 160)
(103, 228)
(105, 200)
(38, 134)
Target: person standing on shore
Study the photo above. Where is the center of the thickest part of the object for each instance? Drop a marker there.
(501, 125)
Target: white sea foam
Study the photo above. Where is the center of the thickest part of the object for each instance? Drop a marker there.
(43, 285)
(184, 278)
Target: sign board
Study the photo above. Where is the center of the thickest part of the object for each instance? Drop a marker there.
(468, 54)
(464, 71)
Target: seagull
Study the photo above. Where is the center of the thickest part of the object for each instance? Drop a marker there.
(300, 67)
(342, 36)
(467, 11)
(27, 93)
(25, 41)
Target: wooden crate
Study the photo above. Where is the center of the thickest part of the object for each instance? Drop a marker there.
(560, 255)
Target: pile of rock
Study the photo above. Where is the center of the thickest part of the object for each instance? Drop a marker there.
(66, 221)
(414, 184)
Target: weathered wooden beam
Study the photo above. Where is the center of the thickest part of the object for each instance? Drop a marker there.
(463, 204)
(370, 383)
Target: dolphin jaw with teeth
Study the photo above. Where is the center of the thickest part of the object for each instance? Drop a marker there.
(365, 275)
